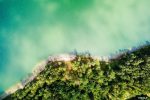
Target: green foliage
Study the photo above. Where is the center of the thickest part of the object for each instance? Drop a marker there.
(88, 79)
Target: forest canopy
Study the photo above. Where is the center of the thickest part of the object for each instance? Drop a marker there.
(85, 78)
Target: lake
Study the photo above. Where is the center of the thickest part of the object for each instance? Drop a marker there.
(31, 30)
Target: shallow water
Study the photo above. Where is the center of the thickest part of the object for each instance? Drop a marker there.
(31, 30)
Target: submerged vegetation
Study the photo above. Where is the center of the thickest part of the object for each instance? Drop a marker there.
(85, 78)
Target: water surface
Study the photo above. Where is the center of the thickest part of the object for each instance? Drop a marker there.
(31, 30)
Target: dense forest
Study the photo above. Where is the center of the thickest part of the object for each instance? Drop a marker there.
(85, 78)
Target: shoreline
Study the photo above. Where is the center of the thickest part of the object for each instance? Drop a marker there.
(36, 70)
(40, 67)
(62, 57)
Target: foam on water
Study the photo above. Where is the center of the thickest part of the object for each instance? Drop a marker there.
(31, 30)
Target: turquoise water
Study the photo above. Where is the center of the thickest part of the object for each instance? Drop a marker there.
(31, 30)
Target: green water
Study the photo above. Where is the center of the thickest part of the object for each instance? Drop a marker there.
(31, 30)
